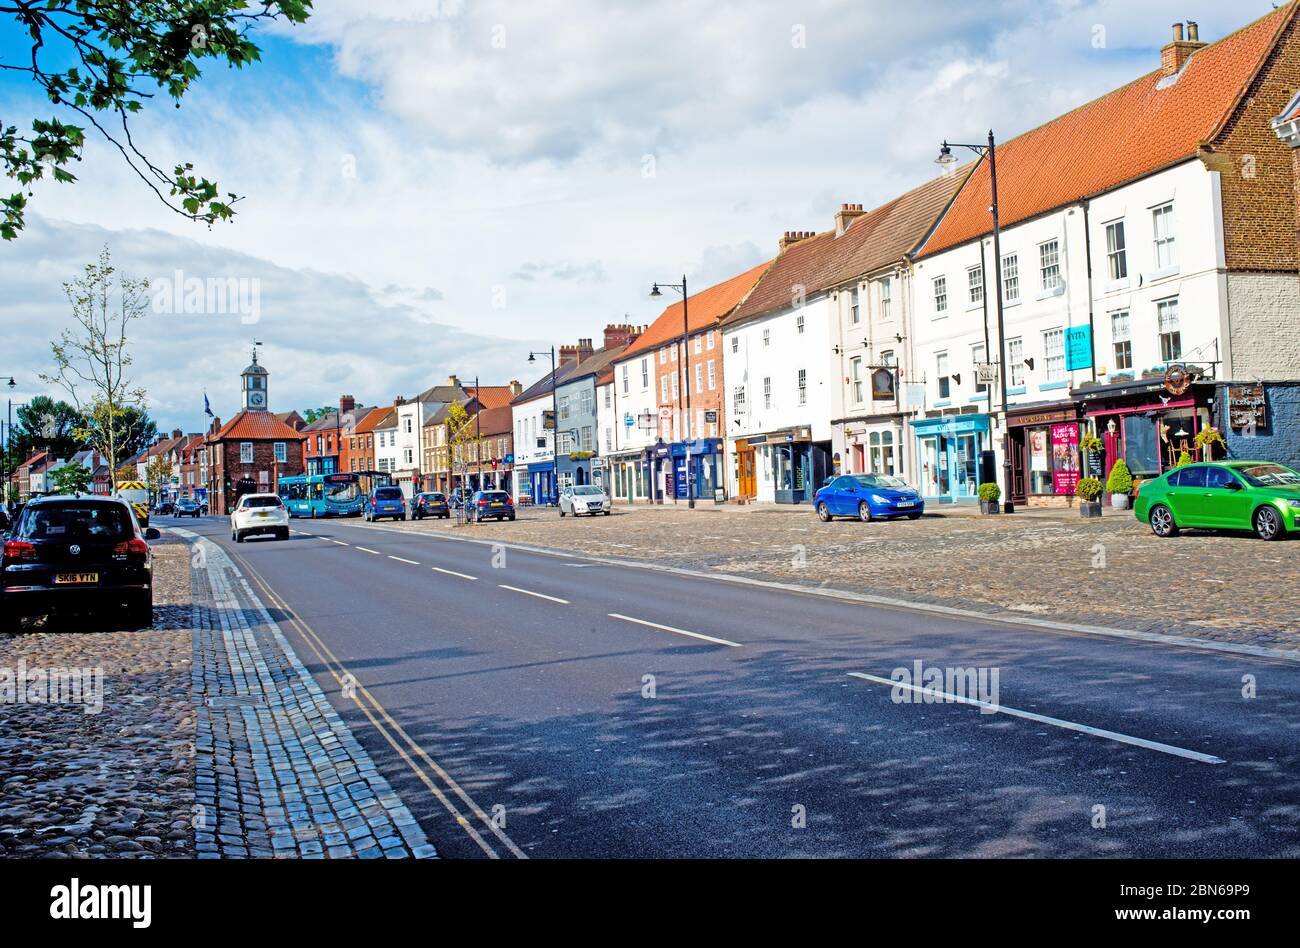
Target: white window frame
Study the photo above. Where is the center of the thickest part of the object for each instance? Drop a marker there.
(943, 381)
(1164, 237)
(1050, 278)
(975, 284)
(939, 285)
(281, 452)
(1117, 251)
(245, 452)
(1011, 278)
(1016, 362)
(1054, 355)
(1121, 334)
(1169, 329)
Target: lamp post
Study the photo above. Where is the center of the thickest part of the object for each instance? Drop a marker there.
(990, 151)
(686, 384)
(555, 413)
(9, 433)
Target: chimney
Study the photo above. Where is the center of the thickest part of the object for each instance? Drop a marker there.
(792, 237)
(844, 216)
(1175, 55)
(399, 400)
(619, 334)
(177, 433)
(346, 404)
(576, 353)
(515, 388)
(453, 381)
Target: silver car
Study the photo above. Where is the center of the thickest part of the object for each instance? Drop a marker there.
(584, 499)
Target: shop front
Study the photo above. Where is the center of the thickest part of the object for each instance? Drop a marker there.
(628, 478)
(788, 466)
(574, 469)
(1045, 459)
(542, 483)
(1148, 423)
(702, 460)
(949, 449)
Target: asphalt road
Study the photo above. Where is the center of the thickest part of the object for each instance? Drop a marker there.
(588, 724)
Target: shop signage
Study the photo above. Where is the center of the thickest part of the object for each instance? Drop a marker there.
(883, 388)
(548, 419)
(628, 420)
(1247, 406)
(1178, 379)
(986, 373)
(1040, 418)
(711, 417)
(1065, 458)
(1096, 463)
(665, 412)
(510, 459)
(1078, 348)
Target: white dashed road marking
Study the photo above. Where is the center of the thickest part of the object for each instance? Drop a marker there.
(452, 572)
(529, 592)
(669, 628)
(400, 560)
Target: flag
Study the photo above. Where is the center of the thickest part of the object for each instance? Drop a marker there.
(207, 409)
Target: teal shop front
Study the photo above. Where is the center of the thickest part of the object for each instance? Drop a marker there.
(950, 449)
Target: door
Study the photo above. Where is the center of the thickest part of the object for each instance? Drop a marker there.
(1187, 496)
(747, 484)
(1225, 502)
(1018, 467)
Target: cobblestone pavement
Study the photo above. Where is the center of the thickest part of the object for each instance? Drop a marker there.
(279, 773)
(1052, 564)
(118, 781)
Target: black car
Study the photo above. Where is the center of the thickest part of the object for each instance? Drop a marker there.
(166, 508)
(73, 553)
(430, 504)
(490, 505)
(186, 507)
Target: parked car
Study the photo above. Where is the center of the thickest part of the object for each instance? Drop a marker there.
(584, 499)
(165, 508)
(490, 505)
(867, 497)
(1233, 495)
(187, 507)
(386, 502)
(258, 515)
(73, 553)
(430, 504)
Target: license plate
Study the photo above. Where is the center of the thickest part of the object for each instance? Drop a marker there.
(264, 515)
(906, 503)
(498, 504)
(69, 579)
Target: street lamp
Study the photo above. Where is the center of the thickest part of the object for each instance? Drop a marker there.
(686, 384)
(990, 151)
(9, 433)
(555, 425)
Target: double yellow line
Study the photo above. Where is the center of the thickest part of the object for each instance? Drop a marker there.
(415, 757)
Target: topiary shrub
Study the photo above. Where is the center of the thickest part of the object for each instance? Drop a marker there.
(1088, 488)
(1121, 479)
(989, 492)
(1184, 458)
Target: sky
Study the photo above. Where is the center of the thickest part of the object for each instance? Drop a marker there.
(436, 187)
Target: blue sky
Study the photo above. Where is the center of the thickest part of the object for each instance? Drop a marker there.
(437, 187)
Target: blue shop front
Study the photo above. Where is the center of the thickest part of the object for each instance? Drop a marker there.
(541, 482)
(703, 458)
(950, 448)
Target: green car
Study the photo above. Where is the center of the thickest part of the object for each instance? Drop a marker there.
(1232, 495)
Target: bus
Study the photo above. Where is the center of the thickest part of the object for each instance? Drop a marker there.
(322, 495)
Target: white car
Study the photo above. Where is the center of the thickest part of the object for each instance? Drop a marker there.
(584, 499)
(259, 514)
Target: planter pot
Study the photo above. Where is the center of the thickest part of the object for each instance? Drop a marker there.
(990, 507)
(1090, 508)
(1119, 501)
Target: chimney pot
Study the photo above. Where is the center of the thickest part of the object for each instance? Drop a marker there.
(1178, 32)
(1193, 31)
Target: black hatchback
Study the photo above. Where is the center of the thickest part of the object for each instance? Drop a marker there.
(489, 505)
(430, 504)
(71, 553)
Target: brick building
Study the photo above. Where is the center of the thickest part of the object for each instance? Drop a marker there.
(253, 450)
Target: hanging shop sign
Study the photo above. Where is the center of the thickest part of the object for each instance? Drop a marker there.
(1247, 406)
(1178, 379)
(711, 417)
(883, 384)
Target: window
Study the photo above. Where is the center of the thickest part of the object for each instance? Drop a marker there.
(281, 454)
(738, 397)
(699, 378)
(1011, 278)
(1162, 225)
(854, 315)
(320, 444)
(586, 397)
(625, 378)
(887, 357)
(663, 356)
(798, 324)
(709, 344)
(767, 337)
(803, 386)
(1054, 355)
(246, 452)
(1119, 334)
(408, 425)
(586, 438)
(941, 294)
(886, 297)
(941, 372)
(699, 345)
(767, 392)
(675, 388)
(607, 397)
(609, 440)
(1171, 338)
(735, 343)
(564, 407)
(1049, 265)
(645, 373)
(1016, 363)
(1117, 251)
(975, 284)
(978, 355)
(855, 372)
(408, 456)
(713, 376)
(674, 352)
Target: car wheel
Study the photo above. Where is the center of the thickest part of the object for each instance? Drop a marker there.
(1268, 524)
(605, 512)
(913, 516)
(139, 612)
(823, 512)
(234, 537)
(561, 511)
(864, 511)
(1162, 523)
(511, 517)
(283, 534)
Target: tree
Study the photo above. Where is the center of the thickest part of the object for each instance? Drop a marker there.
(460, 434)
(46, 423)
(72, 479)
(157, 474)
(135, 430)
(314, 414)
(93, 359)
(102, 60)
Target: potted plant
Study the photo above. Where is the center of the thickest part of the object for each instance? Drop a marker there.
(1207, 439)
(989, 494)
(1088, 490)
(1119, 485)
(1184, 457)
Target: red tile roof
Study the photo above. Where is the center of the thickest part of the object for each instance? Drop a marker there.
(373, 418)
(255, 426)
(705, 309)
(496, 420)
(878, 238)
(1133, 131)
(491, 396)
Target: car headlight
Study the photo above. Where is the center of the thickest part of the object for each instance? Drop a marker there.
(880, 499)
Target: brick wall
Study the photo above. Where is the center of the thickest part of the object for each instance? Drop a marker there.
(706, 400)
(1280, 441)
(1258, 170)
(228, 467)
(1264, 310)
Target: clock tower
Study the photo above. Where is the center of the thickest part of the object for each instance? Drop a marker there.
(253, 381)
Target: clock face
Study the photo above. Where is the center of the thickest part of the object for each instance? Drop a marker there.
(256, 399)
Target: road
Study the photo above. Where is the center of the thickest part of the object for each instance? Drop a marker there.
(538, 705)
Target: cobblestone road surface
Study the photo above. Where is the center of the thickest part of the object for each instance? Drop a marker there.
(1053, 564)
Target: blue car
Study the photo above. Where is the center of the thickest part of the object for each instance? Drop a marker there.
(387, 502)
(867, 497)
